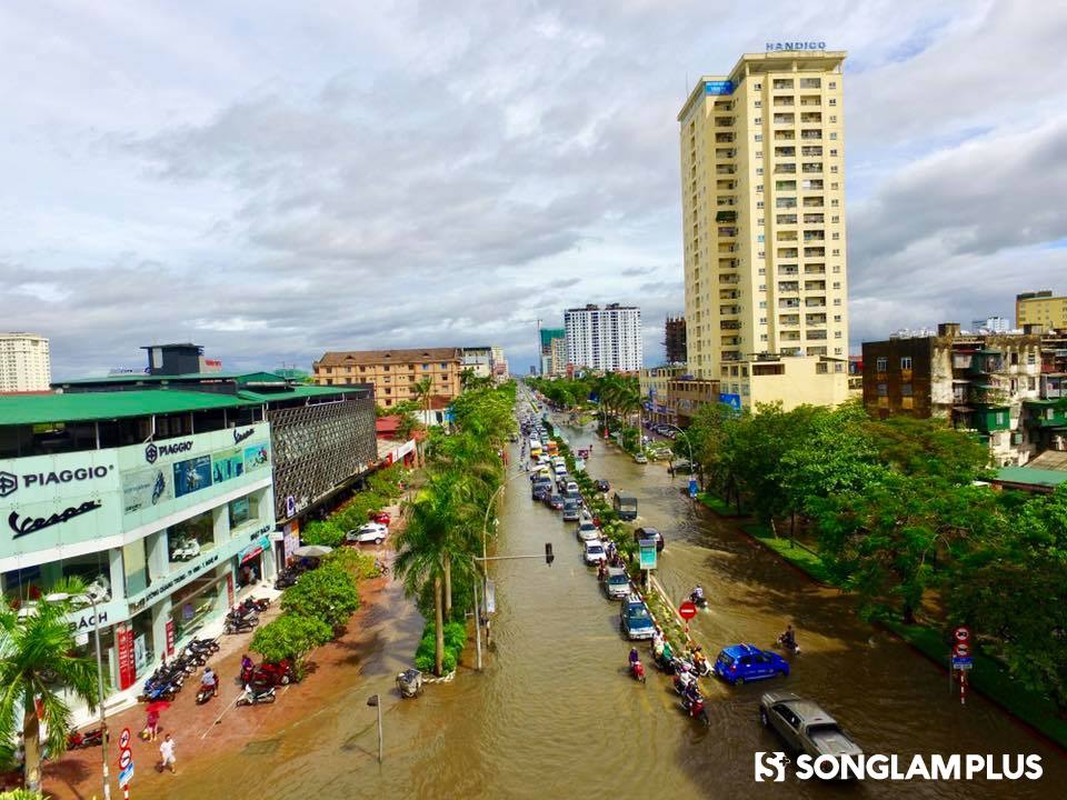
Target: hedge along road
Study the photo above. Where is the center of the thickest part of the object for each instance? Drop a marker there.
(554, 713)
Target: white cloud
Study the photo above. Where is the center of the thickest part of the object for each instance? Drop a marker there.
(272, 181)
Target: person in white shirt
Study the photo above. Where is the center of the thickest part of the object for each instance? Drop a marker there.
(166, 754)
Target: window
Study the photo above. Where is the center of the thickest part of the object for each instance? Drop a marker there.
(758, 86)
(881, 364)
(759, 170)
(758, 104)
(832, 101)
(444, 365)
(757, 121)
(833, 137)
(837, 317)
(833, 152)
(759, 204)
(758, 137)
(763, 320)
(883, 390)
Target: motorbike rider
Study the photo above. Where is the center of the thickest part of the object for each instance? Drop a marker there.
(691, 694)
(697, 595)
(634, 657)
(700, 661)
(789, 638)
(210, 681)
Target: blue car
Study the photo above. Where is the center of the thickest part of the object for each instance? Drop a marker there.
(746, 662)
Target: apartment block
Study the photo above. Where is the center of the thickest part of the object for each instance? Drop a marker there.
(1041, 308)
(1005, 387)
(25, 363)
(394, 374)
(607, 338)
(763, 203)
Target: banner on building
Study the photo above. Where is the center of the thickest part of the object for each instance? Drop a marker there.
(124, 644)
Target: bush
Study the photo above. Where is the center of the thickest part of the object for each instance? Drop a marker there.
(327, 533)
(455, 641)
(328, 593)
(292, 637)
(352, 561)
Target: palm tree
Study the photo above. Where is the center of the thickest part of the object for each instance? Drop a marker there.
(423, 390)
(38, 665)
(421, 553)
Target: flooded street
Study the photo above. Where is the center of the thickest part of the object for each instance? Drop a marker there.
(554, 713)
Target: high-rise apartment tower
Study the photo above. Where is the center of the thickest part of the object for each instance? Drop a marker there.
(763, 203)
(607, 338)
(25, 363)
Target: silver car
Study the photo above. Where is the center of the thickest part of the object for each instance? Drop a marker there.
(805, 726)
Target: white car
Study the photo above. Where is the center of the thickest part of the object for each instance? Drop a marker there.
(587, 531)
(594, 552)
(561, 469)
(371, 532)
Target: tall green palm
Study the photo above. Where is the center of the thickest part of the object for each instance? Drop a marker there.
(423, 391)
(38, 666)
(422, 552)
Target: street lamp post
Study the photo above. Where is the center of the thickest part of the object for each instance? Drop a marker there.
(485, 568)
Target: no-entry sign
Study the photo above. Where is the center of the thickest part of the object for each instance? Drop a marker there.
(687, 610)
(962, 633)
(961, 650)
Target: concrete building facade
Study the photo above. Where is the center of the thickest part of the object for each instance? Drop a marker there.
(25, 363)
(763, 203)
(394, 374)
(1041, 308)
(607, 338)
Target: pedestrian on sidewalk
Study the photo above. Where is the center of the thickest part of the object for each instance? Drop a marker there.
(166, 754)
(152, 724)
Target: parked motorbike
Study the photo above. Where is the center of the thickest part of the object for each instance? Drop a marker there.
(242, 624)
(254, 696)
(286, 578)
(273, 674)
(663, 663)
(409, 682)
(693, 705)
(79, 739)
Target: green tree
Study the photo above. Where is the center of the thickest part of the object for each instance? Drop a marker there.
(292, 637)
(327, 533)
(1010, 589)
(39, 665)
(328, 593)
(929, 447)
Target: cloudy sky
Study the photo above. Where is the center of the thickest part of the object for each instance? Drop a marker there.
(272, 180)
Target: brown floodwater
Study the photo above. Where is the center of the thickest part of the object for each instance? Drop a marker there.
(554, 714)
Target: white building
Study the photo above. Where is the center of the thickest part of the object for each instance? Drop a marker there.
(607, 338)
(25, 363)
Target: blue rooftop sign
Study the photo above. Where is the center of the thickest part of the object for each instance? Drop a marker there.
(776, 46)
(718, 87)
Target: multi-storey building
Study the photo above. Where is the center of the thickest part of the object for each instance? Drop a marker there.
(653, 383)
(1041, 308)
(166, 492)
(674, 340)
(548, 337)
(25, 363)
(557, 357)
(607, 338)
(1006, 387)
(394, 374)
(763, 202)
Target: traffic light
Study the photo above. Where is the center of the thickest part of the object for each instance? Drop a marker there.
(549, 558)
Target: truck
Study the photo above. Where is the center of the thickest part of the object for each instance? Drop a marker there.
(805, 726)
(625, 505)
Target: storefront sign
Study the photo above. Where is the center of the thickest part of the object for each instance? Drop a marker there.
(230, 599)
(156, 590)
(253, 550)
(718, 87)
(240, 436)
(170, 637)
(23, 526)
(648, 553)
(124, 641)
(154, 451)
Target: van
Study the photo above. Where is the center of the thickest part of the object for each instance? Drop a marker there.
(535, 448)
(625, 505)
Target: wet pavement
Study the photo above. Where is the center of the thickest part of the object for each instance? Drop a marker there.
(554, 713)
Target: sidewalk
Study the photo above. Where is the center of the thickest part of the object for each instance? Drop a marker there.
(204, 735)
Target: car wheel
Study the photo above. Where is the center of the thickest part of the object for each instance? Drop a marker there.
(284, 680)
(763, 718)
(739, 682)
(378, 540)
(783, 673)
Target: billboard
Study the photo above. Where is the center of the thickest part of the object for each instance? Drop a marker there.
(55, 501)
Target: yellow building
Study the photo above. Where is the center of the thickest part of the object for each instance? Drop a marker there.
(393, 373)
(763, 203)
(1041, 308)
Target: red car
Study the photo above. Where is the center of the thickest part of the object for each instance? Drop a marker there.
(381, 517)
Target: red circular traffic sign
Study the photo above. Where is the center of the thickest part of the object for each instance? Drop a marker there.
(124, 738)
(962, 633)
(962, 649)
(687, 610)
(125, 758)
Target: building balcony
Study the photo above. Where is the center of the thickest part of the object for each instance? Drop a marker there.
(726, 216)
(788, 287)
(811, 136)
(813, 202)
(783, 119)
(730, 325)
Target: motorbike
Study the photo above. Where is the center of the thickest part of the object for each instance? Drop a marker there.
(409, 682)
(637, 671)
(701, 666)
(663, 663)
(79, 739)
(791, 647)
(248, 669)
(207, 691)
(682, 680)
(699, 600)
(273, 674)
(242, 624)
(694, 707)
(254, 696)
(286, 578)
